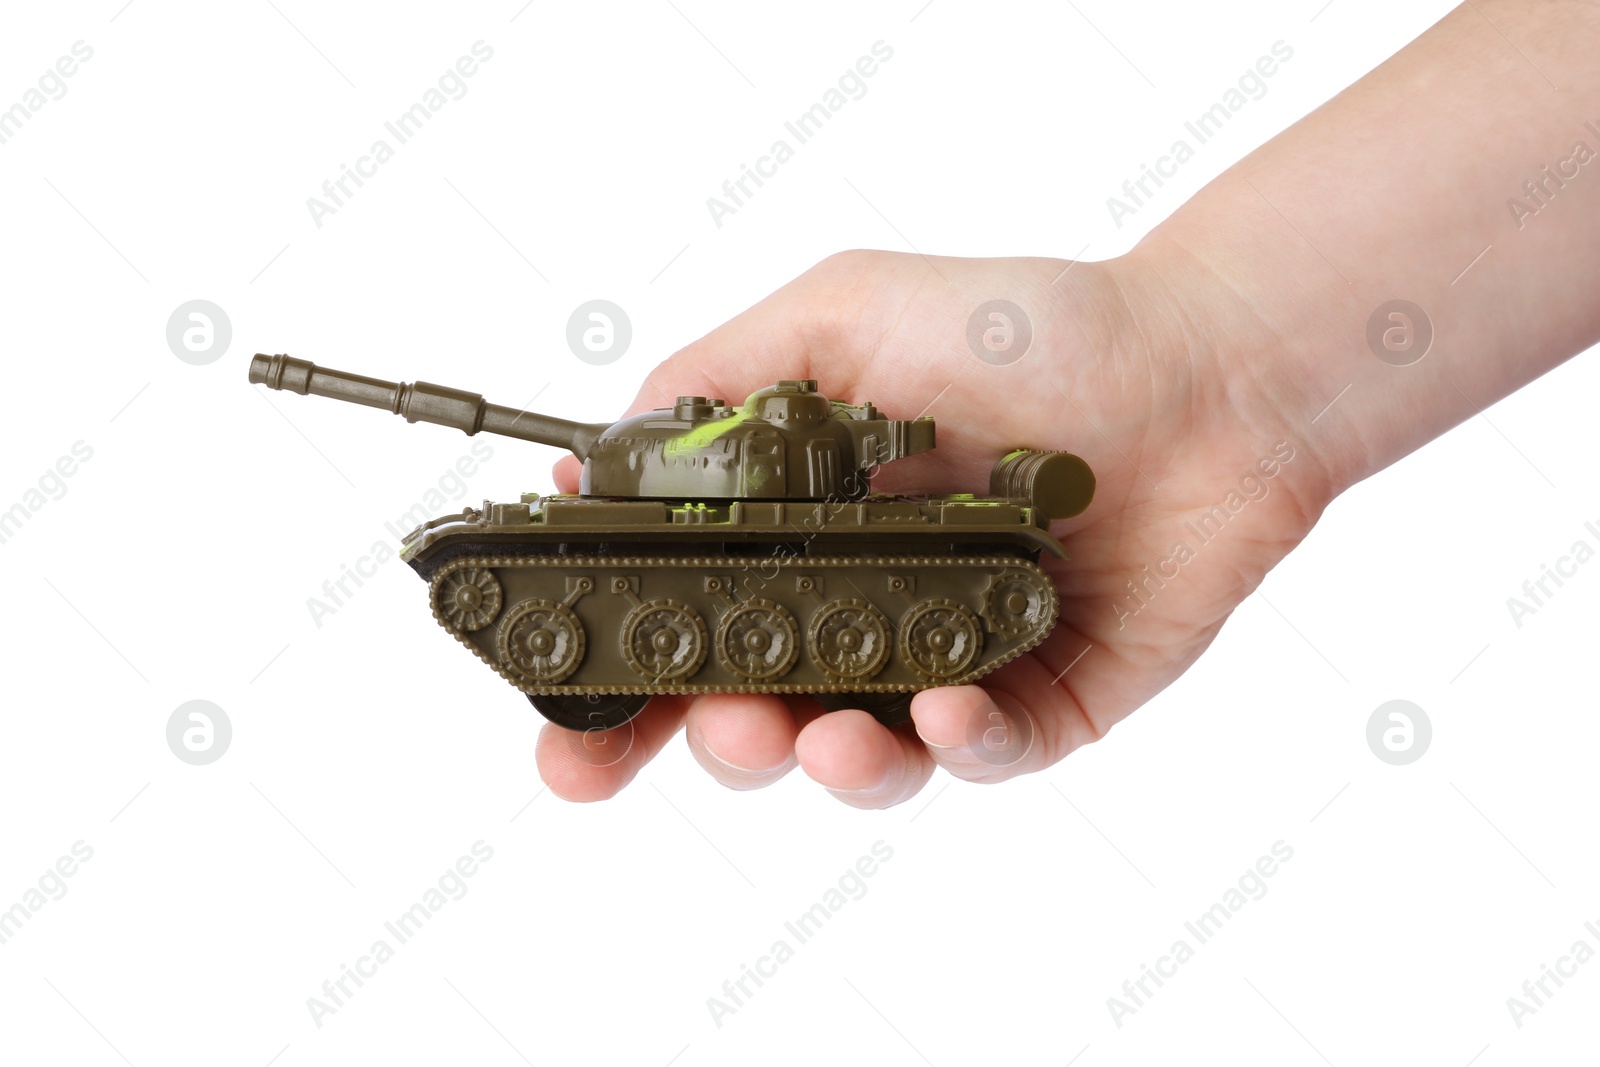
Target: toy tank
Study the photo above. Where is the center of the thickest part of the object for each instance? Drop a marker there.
(717, 549)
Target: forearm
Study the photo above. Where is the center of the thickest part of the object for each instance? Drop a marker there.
(1410, 185)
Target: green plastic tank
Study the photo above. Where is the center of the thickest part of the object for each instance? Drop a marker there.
(718, 549)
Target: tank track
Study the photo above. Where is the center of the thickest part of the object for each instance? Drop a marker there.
(557, 625)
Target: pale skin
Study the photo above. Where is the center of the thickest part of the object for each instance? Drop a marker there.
(1173, 370)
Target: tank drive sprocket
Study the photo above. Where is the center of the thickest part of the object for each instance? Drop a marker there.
(1018, 601)
(469, 599)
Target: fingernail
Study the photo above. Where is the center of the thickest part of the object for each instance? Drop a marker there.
(931, 744)
(871, 792)
(699, 744)
(730, 765)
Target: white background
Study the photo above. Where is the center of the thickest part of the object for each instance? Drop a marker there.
(370, 753)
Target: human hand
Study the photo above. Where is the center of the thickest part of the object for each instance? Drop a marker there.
(1114, 374)
(1224, 368)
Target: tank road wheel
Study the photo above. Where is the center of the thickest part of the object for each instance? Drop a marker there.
(1017, 602)
(891, 709)
(849, 640)
(541, 641)
(940, 639)
(468, 599)
(758, 640)
(589, 711)
(664, 641)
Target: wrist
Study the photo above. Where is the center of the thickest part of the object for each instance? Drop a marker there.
(1290, 264)
(1261, 353)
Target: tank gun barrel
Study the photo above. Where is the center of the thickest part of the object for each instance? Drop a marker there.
(424, 402)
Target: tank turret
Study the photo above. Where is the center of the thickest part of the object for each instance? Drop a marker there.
(719, 549)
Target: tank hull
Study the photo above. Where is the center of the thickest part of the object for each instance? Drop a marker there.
(567, 597)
